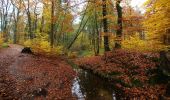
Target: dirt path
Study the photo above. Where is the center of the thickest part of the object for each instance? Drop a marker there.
(26, 77)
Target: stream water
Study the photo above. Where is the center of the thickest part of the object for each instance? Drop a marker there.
(88, 86)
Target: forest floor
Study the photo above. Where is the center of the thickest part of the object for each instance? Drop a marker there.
(30, 76)
(24, 76)
(135, 73)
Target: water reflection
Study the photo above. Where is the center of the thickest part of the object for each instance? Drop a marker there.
(76, 90)
(88, 86)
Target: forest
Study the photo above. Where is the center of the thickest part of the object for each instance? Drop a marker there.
(84, 50)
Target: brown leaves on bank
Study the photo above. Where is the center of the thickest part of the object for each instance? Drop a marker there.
(129, 69)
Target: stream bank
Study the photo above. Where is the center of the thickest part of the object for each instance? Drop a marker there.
(91, 86)
(24, 76)
(135, 73)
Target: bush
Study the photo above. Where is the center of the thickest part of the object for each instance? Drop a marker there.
(1, 40)
(42, 45)
(58, 50)
(28, 43)
(5, 45)
(72, 54)
(134, 43)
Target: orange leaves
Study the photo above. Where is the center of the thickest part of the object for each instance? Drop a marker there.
(110, 17)
(99, 2)
(24, 74)
(152, 92)
(54, 19)
(130, 68)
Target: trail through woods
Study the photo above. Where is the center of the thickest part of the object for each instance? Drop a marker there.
(24, 76)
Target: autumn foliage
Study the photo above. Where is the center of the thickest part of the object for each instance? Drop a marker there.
(22, 76)
(131, 71)
(63, 28)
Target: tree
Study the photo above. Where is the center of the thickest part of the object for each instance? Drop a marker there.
(92, 27)
(119, 22)
(5, 17)
(157, 22)
(105, 27)
(132, 22)
(52, 23)
(29, 19)
(17, 8)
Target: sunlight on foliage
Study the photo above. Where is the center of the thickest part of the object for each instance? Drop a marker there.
(42, 45)
(1, 40)
(135, 43)
(157, 18)
(58, 50)
(5, 45)
(10, 41)
(72, 54)
(28, 43)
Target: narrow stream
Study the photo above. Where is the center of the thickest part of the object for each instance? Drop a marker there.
(87, 86)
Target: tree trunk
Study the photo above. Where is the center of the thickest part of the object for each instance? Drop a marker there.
(30, 26)
(35, 24)
(119, 22)
(16, 27)
(42, 24)
(15, 33)
(98, 35)
(29, 21)
(105, 27)
(52, 24)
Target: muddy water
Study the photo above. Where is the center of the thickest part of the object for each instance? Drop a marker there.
(87, 86)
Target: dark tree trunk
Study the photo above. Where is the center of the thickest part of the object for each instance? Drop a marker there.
(15, 34)
(30, 26)
(35, 24)
(98, 35)
(165, 61)
(29, 21)
(52, 24)
(165, 68)
(105, 27)
(42, 24)
(15, 27)
(119, 22)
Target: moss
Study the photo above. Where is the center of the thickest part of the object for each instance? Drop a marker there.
(72, 64)
(5, 45)
(136, 83)
(114, 73)
(124, 83)
(87, 53)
